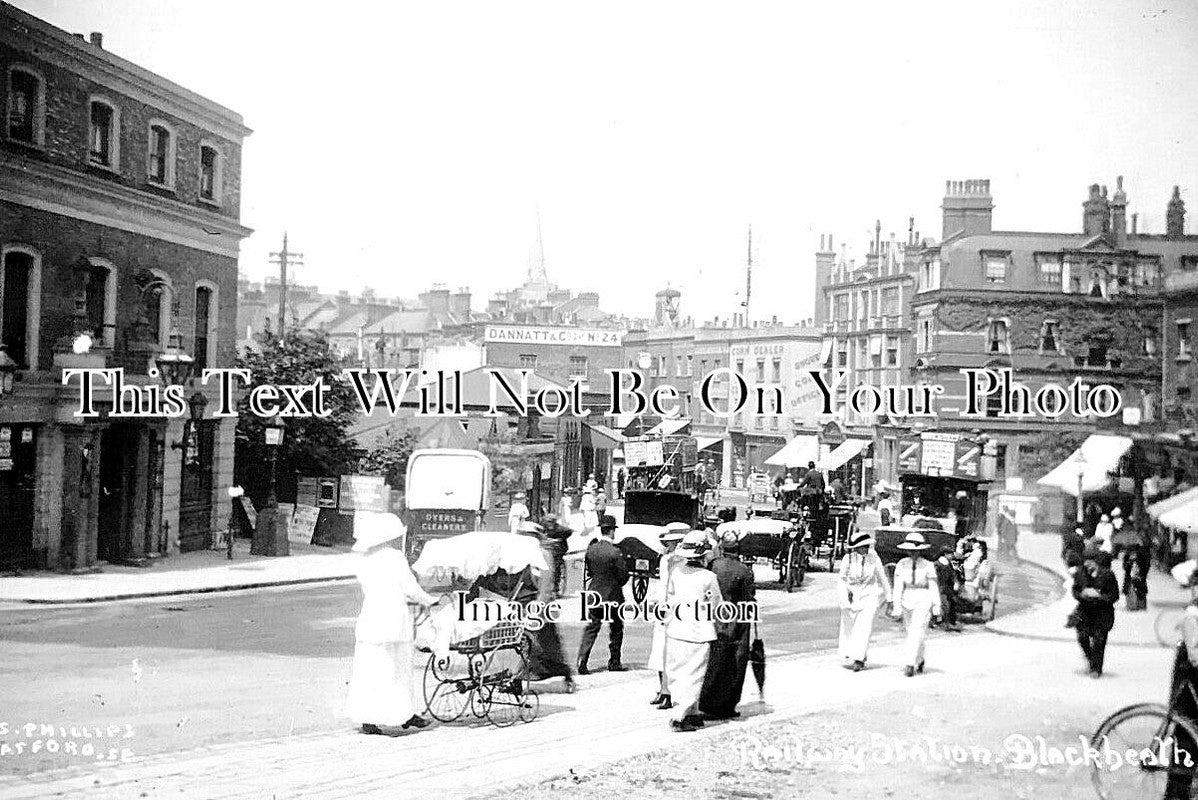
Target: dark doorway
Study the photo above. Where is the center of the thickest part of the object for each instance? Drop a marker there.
(18, 462)
(195, 496)
(118, 456)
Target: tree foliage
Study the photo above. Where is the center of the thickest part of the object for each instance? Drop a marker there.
(311, 445)
(390, 458)
(1042, 453)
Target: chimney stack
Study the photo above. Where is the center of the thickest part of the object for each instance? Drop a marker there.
(968, 208)
(1096, 212)
(97, 39)
(1175, 215)
(1119, 214)
(825, 264)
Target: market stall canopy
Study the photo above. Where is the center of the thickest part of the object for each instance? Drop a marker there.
(798, 452)
(478, 553)
(668, 427)
(1184, 517)
(844, 452)
(705, 442)
(1095, 460)
(1186, 499)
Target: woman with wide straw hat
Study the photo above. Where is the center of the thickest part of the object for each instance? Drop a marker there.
(669, 538)
(863, 587)
(916, 598)
(381, 690)
(689, 631)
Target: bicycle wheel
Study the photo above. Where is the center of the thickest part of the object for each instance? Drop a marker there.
(1149, 731)
(1168, 626)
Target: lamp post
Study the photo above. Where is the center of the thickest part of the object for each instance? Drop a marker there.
(267, 541)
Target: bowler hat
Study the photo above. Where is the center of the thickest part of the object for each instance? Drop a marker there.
(607, 522)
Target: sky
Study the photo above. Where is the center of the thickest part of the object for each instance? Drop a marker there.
(402, 144)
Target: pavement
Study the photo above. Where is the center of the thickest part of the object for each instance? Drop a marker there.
(187, 573)
(1048, 622)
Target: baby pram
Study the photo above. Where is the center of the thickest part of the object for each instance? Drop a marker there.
(477, 659)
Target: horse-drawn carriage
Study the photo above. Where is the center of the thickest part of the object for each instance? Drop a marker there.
(783, 542)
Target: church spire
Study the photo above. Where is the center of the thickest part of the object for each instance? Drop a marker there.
(536, 261)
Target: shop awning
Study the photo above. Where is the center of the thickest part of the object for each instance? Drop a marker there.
(704, 442)
(798, 452)
(1180, 500)
(668, 427)
(844, 452)
(1095, 460)
(604, 436)
(1185, 516)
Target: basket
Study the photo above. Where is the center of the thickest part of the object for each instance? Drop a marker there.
(505, 634)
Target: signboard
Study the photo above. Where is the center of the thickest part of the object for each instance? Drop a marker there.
(317, 492)
(426, 523)
(760, 486)
(303, 524)
(364, 493)
(646, 453)
(939, 454)
(832, 434)
(910, 452)
(573, 337)
(968, 459)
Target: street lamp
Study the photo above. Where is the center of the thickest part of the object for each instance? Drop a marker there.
(8, 370)
(267, 541)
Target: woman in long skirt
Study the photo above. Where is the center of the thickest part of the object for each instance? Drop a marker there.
(863, 587)
(673, 534)
(689, 634)
(382, 693)
(916, 598)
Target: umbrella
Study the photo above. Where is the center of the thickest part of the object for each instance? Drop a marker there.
(757, 661)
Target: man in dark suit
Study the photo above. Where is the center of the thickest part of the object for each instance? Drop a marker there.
(606, 575)
(725, 676)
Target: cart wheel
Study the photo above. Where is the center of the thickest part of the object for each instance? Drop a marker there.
(448, 687)
(640, 587)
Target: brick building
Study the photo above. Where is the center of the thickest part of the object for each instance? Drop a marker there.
(1054, 307)
(119, 218)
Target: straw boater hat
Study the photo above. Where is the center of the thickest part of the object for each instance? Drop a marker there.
(1118, 512)
(674, 532)
(530, 528)
(730, 541)
(694, 545)
(518, 496)
(861, 539)
(914, 541)
(789, 485)
(372, 528)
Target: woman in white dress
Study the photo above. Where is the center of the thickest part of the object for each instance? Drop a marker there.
(670, 538)
(863, 587)
(590, 517)
(688, 640)
(381, 690)
(916, 598)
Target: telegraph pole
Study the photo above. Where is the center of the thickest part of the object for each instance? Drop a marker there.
(284, 258)
(749, 278)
